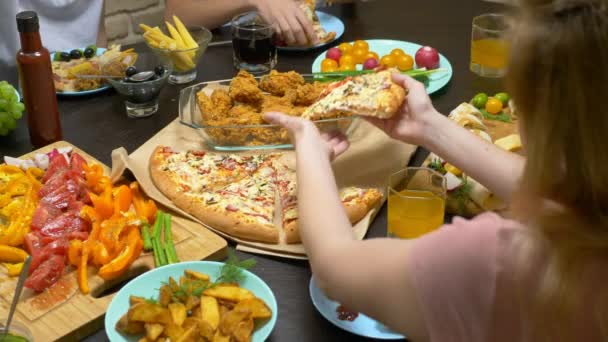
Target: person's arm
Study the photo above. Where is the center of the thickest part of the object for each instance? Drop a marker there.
(419, 123)
(286, 18)
(368, 276)
(208, 13)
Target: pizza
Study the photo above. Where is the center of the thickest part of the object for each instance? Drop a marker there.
(252, 197)
(308, 7)
(374, 94)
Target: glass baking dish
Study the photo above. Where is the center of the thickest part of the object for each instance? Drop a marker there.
(246, 137)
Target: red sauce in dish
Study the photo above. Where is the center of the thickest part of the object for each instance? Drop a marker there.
(345, 315)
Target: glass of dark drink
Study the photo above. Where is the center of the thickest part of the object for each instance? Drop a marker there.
(253, 43)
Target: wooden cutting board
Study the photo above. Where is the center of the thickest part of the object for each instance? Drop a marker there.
(64, 313)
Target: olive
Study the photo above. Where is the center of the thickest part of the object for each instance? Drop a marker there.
(88, 52)
(131, 71)
(503, 97)
(159, 70)
(65, 56)
(479, 101)
(75, 54)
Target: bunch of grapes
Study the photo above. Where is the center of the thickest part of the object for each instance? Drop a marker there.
(11, 110)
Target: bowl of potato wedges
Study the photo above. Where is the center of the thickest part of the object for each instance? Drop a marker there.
(193, 301)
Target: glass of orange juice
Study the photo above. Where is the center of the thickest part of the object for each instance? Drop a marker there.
(416, 202)
(489, 48)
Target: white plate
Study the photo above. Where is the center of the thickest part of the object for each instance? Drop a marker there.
(330, 23)
(100, 51)
(362, 325)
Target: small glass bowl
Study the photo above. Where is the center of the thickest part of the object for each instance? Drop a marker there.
(185, 61)
(141, 98)
(18, 328)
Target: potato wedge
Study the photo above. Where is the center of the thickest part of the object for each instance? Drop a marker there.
(149, 313)
(205, 330)
(219, 337)
(190, 321)
(127, 326)
(135, 300)
(173, 285)
(223, 311)
(231, 320)
(243, 331)
(153, 330)
(165, 295)
(197, 275)
(210, 312)
(226, 303)
(178, 313)
(196, 312)
(173, 331)
(189, 335)
(144, 339)
(228, 292)
(192, 302)
(258, 307)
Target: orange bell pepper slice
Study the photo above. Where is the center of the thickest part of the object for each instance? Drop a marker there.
(94, 178)
(103, 203)
(122, 199)
(145, 209)
(127, 256)
(83, 281)
(100, 254)
(75, 252)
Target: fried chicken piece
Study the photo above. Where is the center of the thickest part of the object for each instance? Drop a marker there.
(244, 88)
(277, 83)
(308, 93)
(243, 114)
(221, 101)
(282, 104)
(205, 105)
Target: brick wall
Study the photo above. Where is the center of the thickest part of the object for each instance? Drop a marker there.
(124, 16)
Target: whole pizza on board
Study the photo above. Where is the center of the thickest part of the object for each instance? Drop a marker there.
(251, 197)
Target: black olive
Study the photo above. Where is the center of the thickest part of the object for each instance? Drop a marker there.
(65, 56)
(75, 54)
(88, 52)
(131, 71)
(159, 70)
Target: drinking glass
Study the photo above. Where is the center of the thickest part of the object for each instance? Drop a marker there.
(416, 202)
(253, 43)
(489, 48)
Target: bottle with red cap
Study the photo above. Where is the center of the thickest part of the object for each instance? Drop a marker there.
(36, 80)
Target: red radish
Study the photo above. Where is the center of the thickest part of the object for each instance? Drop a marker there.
(334, 53)
(427, 57)
(370, 64)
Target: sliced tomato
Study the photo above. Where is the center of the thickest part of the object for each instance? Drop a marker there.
(56, 164)
(43, 215)
(46, 274)
(77, 163)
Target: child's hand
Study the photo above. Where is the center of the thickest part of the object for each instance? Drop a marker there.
(305, 133)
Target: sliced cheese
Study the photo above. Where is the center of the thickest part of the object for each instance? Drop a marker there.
(482, 134)
(465, 109)
(510, 143)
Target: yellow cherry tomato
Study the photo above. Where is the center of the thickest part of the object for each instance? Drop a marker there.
(347, 59)
(361, 44)
(397, 52)
(347, 67)
(372, 54)
(404, 62)
(328, 64)
(493, 106)
(387, 60)
(345, 48)
(359, 55)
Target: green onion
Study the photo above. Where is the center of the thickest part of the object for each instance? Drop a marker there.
(159, 254)
(145, 235)
(338, 75)
(169, 246)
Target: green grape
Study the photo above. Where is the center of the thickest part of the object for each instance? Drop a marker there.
(3, 83)
(4, 116)
(3, 104)
(15, 107)
(10, 124)
(8, 92)
(17, 115)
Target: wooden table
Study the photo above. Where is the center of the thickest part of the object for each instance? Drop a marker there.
(99, 124)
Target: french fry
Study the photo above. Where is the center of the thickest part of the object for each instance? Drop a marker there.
(190, 43)
(210, 311)
(175, 35)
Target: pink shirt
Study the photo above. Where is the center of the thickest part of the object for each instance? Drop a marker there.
(460, 274)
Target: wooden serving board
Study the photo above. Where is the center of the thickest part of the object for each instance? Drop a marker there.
(64, 313)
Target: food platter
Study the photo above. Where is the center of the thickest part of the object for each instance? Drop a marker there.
(146, 285)
(362, 325)
(104, 87)
(330, 23)
(384, 47)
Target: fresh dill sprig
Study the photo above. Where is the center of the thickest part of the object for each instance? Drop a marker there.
(232, 270)
(462, 193)
(437, 165)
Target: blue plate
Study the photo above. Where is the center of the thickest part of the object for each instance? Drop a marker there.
(362, 325)
(100, 51)
(384, 46)
(147, 285)
(330, 23)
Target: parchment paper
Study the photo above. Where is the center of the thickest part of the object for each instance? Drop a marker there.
(369, 161)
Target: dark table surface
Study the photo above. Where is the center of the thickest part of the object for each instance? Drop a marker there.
(98, 124)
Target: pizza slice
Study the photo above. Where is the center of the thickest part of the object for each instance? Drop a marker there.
(374, 94)
(308, 7)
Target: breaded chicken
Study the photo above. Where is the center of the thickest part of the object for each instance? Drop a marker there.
(276, 83)
(205, 105)
(307, 94)
(244, 88)
(221, 101)
(281, 104)
(243, 114)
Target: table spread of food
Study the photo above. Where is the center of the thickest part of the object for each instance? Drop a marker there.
(71, 228)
